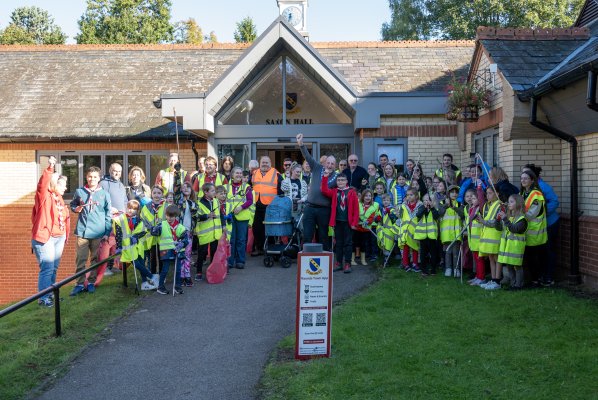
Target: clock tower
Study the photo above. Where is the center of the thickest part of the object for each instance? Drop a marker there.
(295, 13)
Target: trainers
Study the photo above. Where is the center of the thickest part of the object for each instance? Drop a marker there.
(475, 282)
(547, 283)
(46, 302)
(483, 284)
(415, 269)
(199, 277)
(148, 285)
(91, 288)
(337, 267)
(162, 290)
(240, 266)
(189, 282)
(457, 273)
(448, 272)
(347, 268)
(178, 290)
(492, 286)
(77, 289)
(108, 272)
(407, 268)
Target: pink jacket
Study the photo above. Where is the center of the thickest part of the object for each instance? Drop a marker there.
(42, 215)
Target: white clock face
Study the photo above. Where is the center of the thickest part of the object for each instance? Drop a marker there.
(293, 15)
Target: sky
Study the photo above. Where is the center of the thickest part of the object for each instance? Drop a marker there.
(327, 20)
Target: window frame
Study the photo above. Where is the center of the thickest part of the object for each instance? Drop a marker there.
(102, 153)
(489, 141)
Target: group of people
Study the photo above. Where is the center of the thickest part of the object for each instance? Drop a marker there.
(447, 220)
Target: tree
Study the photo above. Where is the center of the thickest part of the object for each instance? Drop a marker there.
(409, 21)
(32, 25)
(126, 21)
(246, 31)
(188, 31)
(211, 38)
(459, 19)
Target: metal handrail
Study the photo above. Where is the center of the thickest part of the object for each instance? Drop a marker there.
(55, 287)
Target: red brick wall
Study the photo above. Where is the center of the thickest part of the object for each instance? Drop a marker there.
(588, 249)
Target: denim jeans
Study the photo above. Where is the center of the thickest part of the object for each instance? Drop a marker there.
(48, 257)
(139, 263)
(238, 241)
(177, 272)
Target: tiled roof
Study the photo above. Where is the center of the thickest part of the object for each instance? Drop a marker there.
(524, 62)
(106, 91)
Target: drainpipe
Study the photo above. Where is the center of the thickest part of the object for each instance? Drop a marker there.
(591, 99)
(574, 277)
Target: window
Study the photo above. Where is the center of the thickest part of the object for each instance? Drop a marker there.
(305, 101)
(73, 165)
(485, 143)
(239, 152)
(339, 151)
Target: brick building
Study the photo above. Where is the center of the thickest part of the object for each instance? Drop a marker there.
(98, 104)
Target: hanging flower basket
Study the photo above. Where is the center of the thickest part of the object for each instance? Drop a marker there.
(469, 114)
(465, 100)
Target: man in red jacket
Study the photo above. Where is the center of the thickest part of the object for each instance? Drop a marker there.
(344, 216)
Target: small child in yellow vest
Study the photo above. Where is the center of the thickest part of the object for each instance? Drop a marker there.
(172, 242)
(450, 224)
(128, 230)
(512, 243)
(426, 232)
(151, 215)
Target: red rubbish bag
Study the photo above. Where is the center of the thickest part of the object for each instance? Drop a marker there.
(250, 240)
(217, 270)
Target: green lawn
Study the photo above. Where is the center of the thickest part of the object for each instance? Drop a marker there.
(409, 337)
(29, 351)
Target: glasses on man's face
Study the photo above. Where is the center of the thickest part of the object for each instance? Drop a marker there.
(352, 160)
(287, 165)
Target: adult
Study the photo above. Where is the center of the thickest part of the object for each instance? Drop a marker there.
(316, 214)
(383, 160)
(342, 165)
(165, 177)
(252, 166)
(226, 167)
(94, 224)
(113, 185)
(210, 176)
(118, 199)
(294, 187)
(355, 174)
(372, 177)
(306, 173)
(500, 179)
(536, 235)
(553, 222)
(409, 168)
(137, 189)
(447, 165)
(201, 168)
(239, 199)
(51, 224)
(266, 185)
(323, 159)
(286, 164)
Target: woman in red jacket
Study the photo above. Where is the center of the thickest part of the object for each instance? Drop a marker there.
(344, 216)
(51, 222)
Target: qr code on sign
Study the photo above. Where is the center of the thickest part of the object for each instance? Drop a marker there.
(320, 319)
(308, 320)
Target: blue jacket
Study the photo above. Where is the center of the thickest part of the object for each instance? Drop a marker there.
(468, 184)
(117, 191)
(95, 220)
(552, 202)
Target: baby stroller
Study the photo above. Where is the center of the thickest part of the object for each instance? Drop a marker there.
(279, 223)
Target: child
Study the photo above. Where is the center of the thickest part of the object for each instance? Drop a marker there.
(400, 190)
(426, 231)
(450, 228)
(490, 238)
(379, 190)
(151, 215)
(387, 230)
(225, 219)
(440, 191)
(188, 209)
(407, 231)
(172, 238)
(169, 198)
(128, 230)
(209, 226)
(238, 203)
(365, 240)
(344, 216)
(474, 232)
(512, 243)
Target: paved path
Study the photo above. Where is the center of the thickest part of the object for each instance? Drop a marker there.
(210, 343)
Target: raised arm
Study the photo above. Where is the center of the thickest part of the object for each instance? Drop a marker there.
(310, 160)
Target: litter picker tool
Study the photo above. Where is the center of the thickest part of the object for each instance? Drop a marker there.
(176, 131)
(174, 272)
(136, 283)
